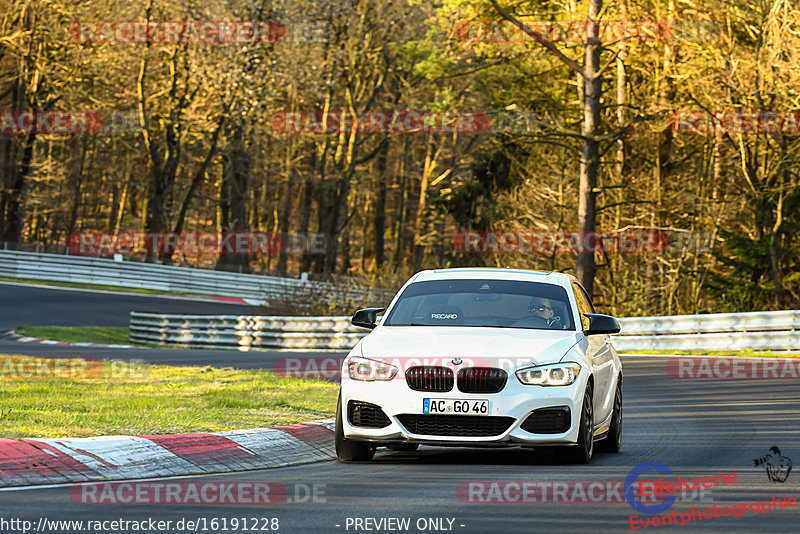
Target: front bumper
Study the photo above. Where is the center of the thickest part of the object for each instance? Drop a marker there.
(516, 401)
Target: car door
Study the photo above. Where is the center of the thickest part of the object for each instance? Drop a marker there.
(602, 359)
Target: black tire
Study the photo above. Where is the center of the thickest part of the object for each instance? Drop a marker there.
(348, 450)
(613, 442)
(582, 452)
(403, 447)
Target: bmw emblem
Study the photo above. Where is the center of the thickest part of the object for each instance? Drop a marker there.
(457, 361)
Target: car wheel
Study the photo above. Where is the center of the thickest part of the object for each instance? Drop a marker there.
(348, 450)
(403, 447)
(613, 442)
(582, 452)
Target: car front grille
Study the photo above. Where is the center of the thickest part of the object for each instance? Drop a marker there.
(366, 415)
(554, 420)
(481, 380)
(430, 378)
(455, 425)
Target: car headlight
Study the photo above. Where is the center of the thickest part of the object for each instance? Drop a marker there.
(556, 374)
(366, 369)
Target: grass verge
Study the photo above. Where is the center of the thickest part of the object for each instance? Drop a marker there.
(747, 353)
(98, 398)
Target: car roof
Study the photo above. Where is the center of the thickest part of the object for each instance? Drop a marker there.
(494, 273)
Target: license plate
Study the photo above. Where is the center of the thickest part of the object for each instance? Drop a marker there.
(456, 406)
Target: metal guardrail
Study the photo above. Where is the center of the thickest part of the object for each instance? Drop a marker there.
(245, 332)
(716, 322)
(128, 274)
(774, 330)
(719, 341)
(759, 331)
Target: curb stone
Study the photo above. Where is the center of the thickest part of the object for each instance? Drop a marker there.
(38, 461)
(13, 336)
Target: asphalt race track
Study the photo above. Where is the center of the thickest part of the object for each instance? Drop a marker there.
(695, 428)
(68, 307)
(45, 306)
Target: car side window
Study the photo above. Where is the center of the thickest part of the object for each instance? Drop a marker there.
(588, 300)
(584, 304)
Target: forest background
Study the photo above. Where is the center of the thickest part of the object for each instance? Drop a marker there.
(583, 127)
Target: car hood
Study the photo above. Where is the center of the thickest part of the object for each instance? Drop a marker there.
(524, 346)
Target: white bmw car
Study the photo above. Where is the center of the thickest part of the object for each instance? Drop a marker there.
(482, 357)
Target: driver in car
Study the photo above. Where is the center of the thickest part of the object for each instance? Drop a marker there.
(543, 309)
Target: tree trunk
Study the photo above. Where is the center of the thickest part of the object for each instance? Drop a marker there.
(25, 88)
(76, 186)
(619, 168)
(420, 224)
(285, 209)
(380, 204)
(120, 212)
(776, 230)
(367, 252)
(305, 214)
(402, 209)
(16, 194)
(235, 178)
(199, 176)
(590, 153)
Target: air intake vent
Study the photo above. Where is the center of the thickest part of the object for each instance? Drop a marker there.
(554, 420)
(481, 380)
(366, 415)
(455, 425)
(425, 378)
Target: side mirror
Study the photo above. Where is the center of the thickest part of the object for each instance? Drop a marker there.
(366, 318)
(601, 324)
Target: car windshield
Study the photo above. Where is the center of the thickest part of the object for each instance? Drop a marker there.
(488, 303)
